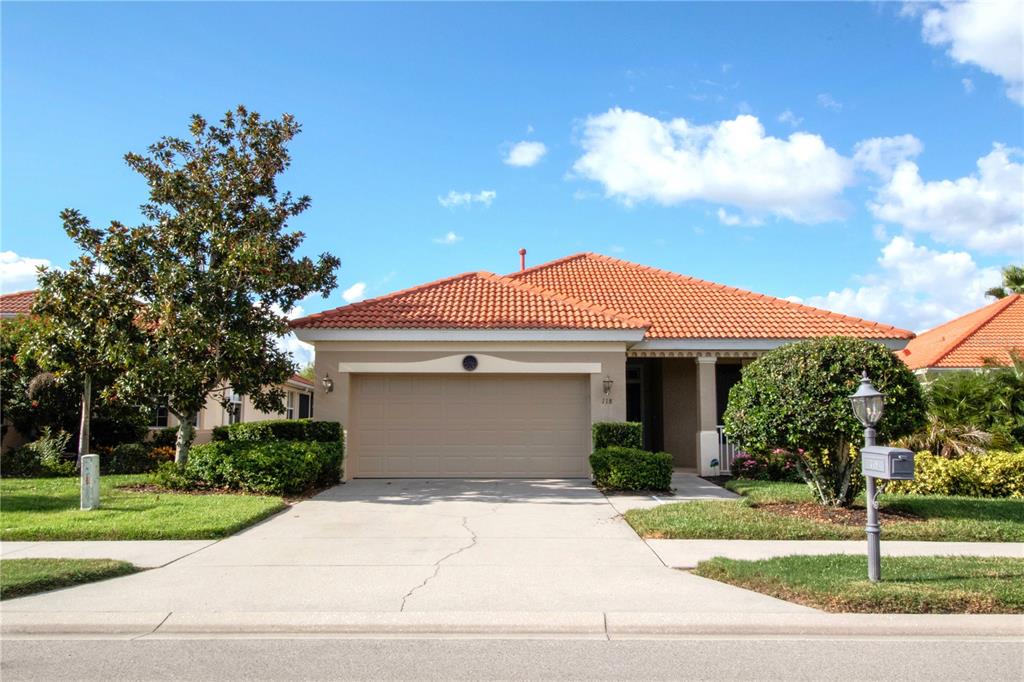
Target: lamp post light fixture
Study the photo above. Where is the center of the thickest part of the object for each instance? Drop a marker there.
(868, 405)
(327, 382)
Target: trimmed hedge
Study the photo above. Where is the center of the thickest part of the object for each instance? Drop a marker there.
(272, 467)
(988, 474)
(280, 429)
(618, 468)
(618, 434)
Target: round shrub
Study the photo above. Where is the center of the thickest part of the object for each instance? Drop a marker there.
(127, 458)
(166, 437)
(618, 468)
(795, 398)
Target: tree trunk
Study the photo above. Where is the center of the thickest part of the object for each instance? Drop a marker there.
(183, 442)
(83, 429)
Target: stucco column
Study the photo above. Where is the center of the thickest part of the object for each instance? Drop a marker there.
(707, 433)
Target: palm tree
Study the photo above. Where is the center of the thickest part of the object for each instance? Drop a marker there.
(947, 440)
(1013, 282)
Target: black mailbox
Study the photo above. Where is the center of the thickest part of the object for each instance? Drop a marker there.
(895, 464)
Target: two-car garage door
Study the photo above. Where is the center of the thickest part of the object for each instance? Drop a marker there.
(469, 425)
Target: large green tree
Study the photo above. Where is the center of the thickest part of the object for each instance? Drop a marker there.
(213, 266)
(796, 399)
(1013, 282)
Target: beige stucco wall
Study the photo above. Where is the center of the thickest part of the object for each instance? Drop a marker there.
(680, 409)
(610, 356)
(214, 414)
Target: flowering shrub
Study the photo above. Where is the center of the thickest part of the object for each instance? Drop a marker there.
(776, 466)
(991, 474)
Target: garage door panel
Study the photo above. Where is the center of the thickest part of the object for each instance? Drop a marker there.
(469, 425)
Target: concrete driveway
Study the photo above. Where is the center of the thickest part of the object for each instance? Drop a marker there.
(426, 546)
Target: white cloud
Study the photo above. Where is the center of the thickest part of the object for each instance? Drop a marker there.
(448, 238)
(789, 118)
(983, 211)
(881, 155)
(301, 352)
(525, 153)
(827, 101)
(986, 33)
(455, 199)
(356, 292)
(637, 157)
(18, 272)
(916, 287)
(733, 220)
(968, 85)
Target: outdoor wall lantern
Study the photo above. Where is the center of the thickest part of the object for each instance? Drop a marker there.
(868, 404)
(328, 383)
(607, 384)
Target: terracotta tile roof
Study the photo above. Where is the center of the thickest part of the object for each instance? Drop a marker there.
(17, 303)
(685, 307)
(299, 379)
(473, 300)
(968, 341)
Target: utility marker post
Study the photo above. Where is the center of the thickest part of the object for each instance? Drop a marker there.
(90, 482)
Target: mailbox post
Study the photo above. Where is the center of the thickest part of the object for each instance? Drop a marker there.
(876, 462)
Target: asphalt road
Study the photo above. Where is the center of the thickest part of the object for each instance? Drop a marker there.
(495, 659)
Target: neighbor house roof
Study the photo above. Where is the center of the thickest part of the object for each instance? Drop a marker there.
(988, 333)
(473, 300)
(299, 379)
(17, 303)
(590, 291)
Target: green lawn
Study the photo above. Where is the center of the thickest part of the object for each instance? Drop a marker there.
(47, 509)
(839, 583)
(19, 577)
(964, 519)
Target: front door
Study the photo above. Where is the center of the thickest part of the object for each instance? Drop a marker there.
(643, 399)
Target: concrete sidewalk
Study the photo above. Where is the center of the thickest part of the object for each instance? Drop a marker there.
(688, 553)
(582, 624)
(686, 487)
(142, 553)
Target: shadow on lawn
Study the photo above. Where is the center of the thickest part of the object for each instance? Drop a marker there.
(22, 502)
(968, 508)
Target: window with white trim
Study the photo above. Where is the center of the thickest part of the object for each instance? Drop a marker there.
(158, 417)
(289, 410)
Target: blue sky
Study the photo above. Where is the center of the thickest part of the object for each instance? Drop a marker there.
(828, 152)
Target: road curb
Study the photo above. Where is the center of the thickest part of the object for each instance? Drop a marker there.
(456, 623)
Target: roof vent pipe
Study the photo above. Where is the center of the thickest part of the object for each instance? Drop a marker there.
(522, 259)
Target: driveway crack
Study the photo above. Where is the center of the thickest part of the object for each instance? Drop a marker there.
(437, 564)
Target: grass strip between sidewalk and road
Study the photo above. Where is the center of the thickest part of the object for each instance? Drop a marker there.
(838, 582)
(47, 509)
(913, 517)
(21, 577)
